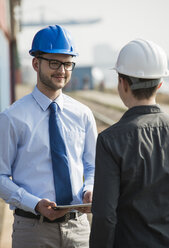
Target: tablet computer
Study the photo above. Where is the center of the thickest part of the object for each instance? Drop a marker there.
(84, 205)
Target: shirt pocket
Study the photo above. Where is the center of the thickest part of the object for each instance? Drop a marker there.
(75, 139)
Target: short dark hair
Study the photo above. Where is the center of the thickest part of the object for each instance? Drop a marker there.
(140, 94)
(38, 53)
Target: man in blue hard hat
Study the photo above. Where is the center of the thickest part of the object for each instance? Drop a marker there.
(47, 144)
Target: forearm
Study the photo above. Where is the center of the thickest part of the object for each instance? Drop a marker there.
(16, 196)
(89, 155)
(102, 232)
(105, 198)
(88, 179)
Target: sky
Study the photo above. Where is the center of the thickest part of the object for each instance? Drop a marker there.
(120, 22)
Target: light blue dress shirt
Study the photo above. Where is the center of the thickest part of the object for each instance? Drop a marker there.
(26, 174)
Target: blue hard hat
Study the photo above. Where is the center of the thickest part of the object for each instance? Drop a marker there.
(53, 39)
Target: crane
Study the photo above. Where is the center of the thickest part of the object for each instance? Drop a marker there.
(59, 22)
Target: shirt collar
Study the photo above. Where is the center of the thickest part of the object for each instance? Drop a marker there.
(59, 101)
(142, 109)
(44, 101)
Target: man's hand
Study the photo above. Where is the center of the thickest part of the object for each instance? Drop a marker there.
(87, 198)
(45, 208)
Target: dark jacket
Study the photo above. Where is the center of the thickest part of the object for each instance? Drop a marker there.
(131, 191)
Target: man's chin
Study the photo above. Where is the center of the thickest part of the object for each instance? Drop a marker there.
(58, 85)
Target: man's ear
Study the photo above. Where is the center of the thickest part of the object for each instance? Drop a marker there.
(121, 80)
(125, 85)
(35, 64)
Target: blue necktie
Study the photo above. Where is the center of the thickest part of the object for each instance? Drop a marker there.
(59, 160)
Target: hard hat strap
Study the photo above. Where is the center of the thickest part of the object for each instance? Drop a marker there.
(136, 84)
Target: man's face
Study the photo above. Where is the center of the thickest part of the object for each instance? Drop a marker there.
(54, 79)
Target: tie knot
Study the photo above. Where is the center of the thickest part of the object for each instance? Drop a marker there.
(53, 107)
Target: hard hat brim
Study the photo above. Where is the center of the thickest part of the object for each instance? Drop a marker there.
(166, 74)
(56, 51)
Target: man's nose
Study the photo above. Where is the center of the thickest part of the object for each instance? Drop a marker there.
(61, 68)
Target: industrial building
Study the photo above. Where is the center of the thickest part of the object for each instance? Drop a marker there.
(9, 63)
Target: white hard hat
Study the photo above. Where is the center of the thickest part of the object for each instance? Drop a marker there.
(142, 59)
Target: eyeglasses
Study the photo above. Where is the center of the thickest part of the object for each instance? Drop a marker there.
(56, 64)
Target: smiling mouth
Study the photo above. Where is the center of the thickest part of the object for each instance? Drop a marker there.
(58, 76)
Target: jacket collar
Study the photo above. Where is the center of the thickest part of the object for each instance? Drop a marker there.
(142, 109)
